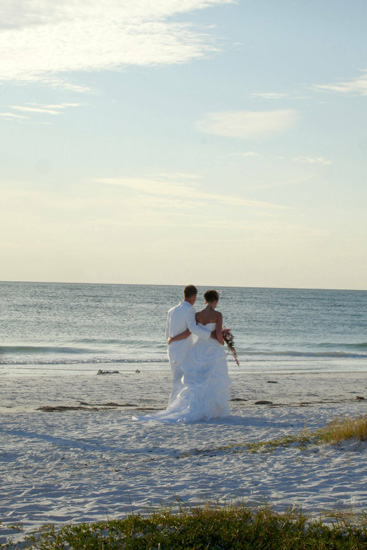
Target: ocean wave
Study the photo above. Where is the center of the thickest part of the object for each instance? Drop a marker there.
(92, 361)
(255, 356)
(359, 345)
(29, 350)
(306, 354)
(99, 341)
(72, 355)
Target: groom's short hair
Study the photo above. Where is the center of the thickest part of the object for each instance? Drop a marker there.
(190, 290)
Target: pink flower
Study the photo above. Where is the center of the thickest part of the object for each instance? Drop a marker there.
(229, 340)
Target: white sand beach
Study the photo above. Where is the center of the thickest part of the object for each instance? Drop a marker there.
(95, 462)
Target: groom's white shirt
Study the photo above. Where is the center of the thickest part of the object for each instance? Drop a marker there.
(180, 318)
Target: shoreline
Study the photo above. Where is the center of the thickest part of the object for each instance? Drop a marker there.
(250, 367)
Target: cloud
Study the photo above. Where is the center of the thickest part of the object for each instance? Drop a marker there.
(139, 203)
(61, 83)
(36, 110)
(270, 95)
(310, 160)
(184, 191)
(248, 124)
(31, 108)
(356, 86)
(41, 39)
(10, 116)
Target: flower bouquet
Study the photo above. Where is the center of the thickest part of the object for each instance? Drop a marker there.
(229, 340)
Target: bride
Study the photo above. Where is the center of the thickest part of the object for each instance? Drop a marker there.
(206, 383)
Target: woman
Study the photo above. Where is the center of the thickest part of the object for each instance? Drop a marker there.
(206, 383)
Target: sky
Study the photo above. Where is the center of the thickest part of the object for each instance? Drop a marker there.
(212, 142)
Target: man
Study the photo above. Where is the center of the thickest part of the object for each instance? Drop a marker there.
(179, 319)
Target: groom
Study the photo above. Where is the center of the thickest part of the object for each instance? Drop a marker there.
(179, 319)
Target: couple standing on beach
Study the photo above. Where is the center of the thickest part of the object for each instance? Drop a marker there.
(200, 386)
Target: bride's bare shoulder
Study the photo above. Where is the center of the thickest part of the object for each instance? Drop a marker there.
(204, 316)
(200, 315)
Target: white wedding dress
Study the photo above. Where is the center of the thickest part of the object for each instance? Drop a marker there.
(206, 384)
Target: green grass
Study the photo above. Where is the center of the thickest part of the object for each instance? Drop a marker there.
(208, 528)
(336, 431)
(342, 429)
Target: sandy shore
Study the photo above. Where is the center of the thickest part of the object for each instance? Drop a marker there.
(95, 462)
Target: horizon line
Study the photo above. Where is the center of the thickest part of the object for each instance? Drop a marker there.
(181, 285)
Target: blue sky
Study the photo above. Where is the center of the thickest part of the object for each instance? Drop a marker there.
(167, 142)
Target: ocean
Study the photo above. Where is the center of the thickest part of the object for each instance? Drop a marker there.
(57, 328)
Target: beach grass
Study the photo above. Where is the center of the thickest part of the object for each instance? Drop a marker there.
(207, 528)
(336, 431)
(342, 429)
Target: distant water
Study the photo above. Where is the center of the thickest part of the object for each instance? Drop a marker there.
(68, 328)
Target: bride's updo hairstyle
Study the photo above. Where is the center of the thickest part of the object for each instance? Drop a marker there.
(211, 296)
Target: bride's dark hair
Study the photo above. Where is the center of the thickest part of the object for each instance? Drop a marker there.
(211, 296)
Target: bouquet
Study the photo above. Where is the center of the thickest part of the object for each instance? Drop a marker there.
(229, 340)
